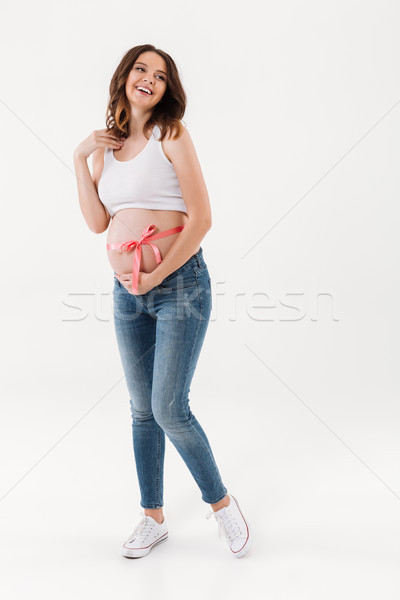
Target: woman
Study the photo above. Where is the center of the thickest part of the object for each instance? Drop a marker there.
(146, 179)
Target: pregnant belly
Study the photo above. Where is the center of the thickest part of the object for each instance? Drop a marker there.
(129, 223)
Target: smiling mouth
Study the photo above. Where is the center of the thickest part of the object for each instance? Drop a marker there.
(140, 90)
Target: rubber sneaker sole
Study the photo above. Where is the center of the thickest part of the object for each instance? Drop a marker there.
(139, 552)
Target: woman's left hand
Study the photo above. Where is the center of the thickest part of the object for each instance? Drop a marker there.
(145, 284)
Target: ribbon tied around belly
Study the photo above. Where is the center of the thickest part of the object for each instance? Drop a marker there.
(145, 238)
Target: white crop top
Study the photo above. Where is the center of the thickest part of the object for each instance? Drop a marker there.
(146, 181)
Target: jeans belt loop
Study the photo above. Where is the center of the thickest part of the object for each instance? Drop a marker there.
(197, 256)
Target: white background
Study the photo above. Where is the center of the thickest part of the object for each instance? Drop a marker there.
(294, 109)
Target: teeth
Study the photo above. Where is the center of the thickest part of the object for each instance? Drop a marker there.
(144, 90)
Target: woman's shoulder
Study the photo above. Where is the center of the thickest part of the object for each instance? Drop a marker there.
(179, 150)
(171, 132)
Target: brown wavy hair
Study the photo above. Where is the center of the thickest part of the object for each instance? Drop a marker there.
(167, 114)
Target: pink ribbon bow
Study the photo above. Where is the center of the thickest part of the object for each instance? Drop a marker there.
(145, 238)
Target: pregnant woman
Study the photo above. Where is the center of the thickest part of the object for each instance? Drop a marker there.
(147, 188)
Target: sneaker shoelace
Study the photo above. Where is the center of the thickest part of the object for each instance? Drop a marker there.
(227, 524)
(142, 529)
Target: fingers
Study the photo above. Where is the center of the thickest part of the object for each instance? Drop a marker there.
(109, 140)
(113, 142)
(126, 281)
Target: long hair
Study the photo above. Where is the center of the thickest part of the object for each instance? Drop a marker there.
(167, 114)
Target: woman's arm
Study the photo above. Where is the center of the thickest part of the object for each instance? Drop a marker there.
(183, 156)
(93, 210)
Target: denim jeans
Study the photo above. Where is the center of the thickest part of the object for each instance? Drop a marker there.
(159, 336)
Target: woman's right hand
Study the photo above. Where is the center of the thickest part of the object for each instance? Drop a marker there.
(100, 138)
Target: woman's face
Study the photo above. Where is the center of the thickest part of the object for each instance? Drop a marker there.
(149, 71)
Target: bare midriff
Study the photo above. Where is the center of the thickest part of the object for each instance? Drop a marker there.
(129, 223)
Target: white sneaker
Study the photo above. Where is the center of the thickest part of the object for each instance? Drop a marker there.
(147, 534)
(234, 526)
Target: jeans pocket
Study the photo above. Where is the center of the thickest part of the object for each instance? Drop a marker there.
(180, 279)
(200, 270)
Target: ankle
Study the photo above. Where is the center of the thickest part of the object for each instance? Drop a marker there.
(155, 513)
(221, 504)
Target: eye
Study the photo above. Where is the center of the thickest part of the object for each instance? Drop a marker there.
(160, 76)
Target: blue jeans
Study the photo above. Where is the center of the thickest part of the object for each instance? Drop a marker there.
(159, 336)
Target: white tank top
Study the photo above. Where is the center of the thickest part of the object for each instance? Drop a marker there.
(147, 181)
